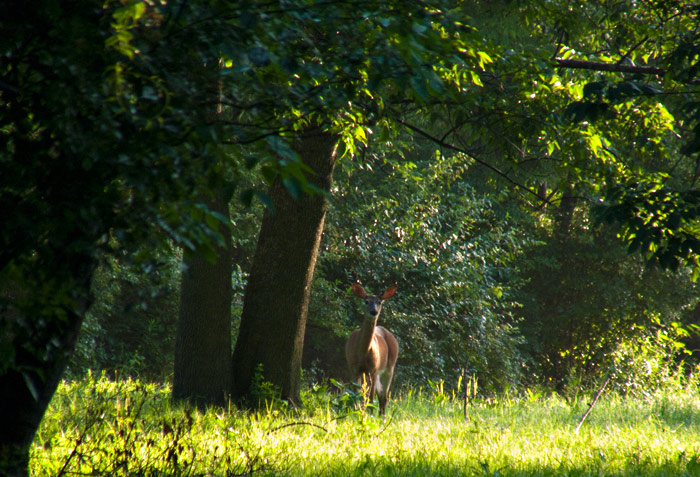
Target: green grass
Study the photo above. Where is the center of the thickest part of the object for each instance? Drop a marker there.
(101, 427)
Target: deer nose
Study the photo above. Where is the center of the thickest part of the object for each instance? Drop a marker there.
(373, 312)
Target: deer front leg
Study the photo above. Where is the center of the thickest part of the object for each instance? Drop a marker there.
(372, 381)
(384, 382)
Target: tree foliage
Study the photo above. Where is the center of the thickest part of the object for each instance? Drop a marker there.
(640, 97)
(109, 145)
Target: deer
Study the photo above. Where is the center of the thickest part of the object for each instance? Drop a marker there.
(372, 350)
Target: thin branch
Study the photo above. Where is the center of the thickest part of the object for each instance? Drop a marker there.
(386, 423)
(559, 44)
(453, 147)
(590, 408)
(629, 52)
(292, 424)
(466, 389)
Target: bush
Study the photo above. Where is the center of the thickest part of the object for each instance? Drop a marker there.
(130, 328)
(450, 250)
(652, 361)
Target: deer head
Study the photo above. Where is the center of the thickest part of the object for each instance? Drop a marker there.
(374, 303)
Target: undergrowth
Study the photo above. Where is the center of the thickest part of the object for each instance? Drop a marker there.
(97, 426)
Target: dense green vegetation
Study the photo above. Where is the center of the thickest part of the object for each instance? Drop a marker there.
(484, 290)
(101, 427)
(188, 189)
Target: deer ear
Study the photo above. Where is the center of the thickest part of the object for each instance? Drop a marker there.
(358, 291)
(389, 292)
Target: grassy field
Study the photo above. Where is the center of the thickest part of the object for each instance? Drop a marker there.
(102, 427)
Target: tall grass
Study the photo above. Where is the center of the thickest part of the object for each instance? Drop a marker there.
(102, 427)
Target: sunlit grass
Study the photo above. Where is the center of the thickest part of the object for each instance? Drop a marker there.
(101, 427)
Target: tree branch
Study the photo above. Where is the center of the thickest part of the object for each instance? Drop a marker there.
(629, 52)
(614, 67)
(590, 407)
(453, 147)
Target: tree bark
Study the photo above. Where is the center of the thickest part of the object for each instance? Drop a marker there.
(614, 67)
(26, 395)
(277, 293)
(564, 214)
(41, 338)
(202, 372)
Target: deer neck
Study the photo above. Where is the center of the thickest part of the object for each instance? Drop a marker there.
(369, 324)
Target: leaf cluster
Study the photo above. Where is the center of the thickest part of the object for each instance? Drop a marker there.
(658, 221)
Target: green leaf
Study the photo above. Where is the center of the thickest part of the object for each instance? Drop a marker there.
(475, 78)
(259, 56)
(418, 86)
(293, 186)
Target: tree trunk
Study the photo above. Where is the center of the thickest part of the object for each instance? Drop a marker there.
(203, 343)
(564, 214)
(277, 294)
(38, 341)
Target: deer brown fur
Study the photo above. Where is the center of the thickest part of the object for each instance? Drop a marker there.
(372, 350)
